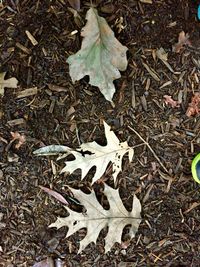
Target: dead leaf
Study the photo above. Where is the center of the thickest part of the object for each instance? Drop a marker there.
(19, 137)
(55, 194)
(48, 262)
(92, 154)
(9, 83)
(169, 101)
(183, 40)
(101, 55)
(96, 218)
(194, 105)
(75, 4)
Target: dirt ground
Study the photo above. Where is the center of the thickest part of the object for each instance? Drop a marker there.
(169, 234)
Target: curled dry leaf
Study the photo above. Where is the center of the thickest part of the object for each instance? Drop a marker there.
(183, 40)
(101, 55)
(19, 137)
(194, 105)
(9, 83)
(96, 218)
(169, 101)
(92, 154)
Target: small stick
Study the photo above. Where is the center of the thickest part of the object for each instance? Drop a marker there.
(152, 151)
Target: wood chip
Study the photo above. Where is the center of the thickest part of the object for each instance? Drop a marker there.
(133, 95)
(27, 92)
(31, 38)
(144, 102)
(152, 72)
(70, 111)
(23, 48)
(165, 84)
(57, 88)
(146, 1)
(16, 122)
(52, 105)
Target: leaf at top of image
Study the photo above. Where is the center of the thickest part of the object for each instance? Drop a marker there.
(92, 154)
(101, 55)
(96, 218)
(9, 83)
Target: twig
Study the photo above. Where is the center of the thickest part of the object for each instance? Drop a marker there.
(152, 151)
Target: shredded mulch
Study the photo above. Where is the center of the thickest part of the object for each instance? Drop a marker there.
(48, 109)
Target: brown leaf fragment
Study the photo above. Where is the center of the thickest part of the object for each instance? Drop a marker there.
(183, 40)
(194, 105)
(18, 137)
(55, 194)
(169, 101)
(75, 4)
(9, 83)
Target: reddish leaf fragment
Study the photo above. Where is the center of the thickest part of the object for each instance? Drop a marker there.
(54, 194)
(169, 101)
(75, 4)
(19, 137)
(194, 105)
(183, 40)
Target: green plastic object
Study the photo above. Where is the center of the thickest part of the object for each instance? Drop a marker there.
(196, 168)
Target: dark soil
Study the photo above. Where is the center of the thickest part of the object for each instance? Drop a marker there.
(169, 234)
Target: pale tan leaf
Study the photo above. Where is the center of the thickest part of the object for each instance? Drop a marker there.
(101, 55)
(96, 218)
(9, 83)
(98, 156)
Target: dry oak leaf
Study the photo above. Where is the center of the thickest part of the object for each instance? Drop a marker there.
(96, 218)
(9, 83)
(194, 105)
(92, 154)
(183, 40)
(169, 101)
(101, 55)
